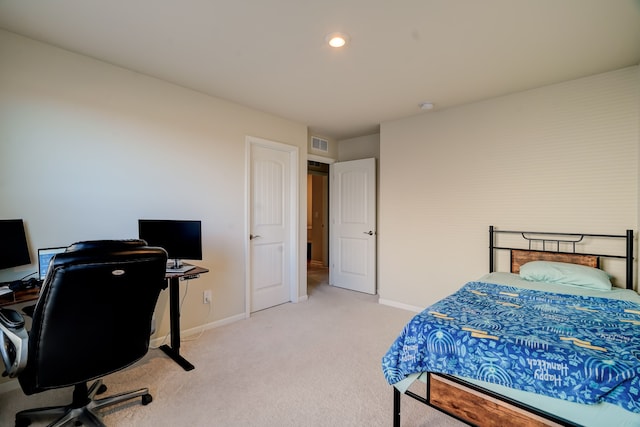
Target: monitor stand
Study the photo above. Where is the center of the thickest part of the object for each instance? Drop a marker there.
(177, 266)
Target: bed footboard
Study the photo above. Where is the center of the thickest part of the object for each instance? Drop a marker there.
(474, 406)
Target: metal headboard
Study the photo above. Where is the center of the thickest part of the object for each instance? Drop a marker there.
(558, 239)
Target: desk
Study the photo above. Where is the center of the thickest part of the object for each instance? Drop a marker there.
(18, 297)
(173, 351)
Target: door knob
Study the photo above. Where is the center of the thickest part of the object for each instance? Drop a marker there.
(254, 236)
(370, 233)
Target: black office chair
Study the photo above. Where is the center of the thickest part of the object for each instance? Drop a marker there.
(93, 318)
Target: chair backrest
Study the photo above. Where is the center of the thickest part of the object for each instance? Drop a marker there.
(93, 316)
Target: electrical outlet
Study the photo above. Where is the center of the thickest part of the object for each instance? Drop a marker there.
(206, 297)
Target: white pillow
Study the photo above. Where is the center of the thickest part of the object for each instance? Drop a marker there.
(563, 273)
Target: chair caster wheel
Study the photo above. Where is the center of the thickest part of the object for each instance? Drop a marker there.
(146, 399)
(101, 389)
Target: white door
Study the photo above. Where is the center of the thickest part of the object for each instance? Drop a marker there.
(272, 224)
(353, 225)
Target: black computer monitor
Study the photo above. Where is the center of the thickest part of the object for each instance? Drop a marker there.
(14, 250)
(182, 239)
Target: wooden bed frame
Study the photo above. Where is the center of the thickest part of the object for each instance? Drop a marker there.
(477, 406)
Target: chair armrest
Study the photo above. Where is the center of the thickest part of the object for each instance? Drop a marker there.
(14, 342)
(11, 318)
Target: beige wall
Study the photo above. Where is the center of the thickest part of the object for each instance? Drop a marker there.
(364, 147)
(558, 158)
(87, 148)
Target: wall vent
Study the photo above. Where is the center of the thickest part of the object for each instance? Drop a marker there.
(319, 144)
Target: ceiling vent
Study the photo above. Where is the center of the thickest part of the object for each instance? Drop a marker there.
(319, 144)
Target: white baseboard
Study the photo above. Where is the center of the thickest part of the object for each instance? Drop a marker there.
(156, 342)
(403, 306)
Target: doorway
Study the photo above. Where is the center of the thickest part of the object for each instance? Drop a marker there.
(317, 223)
(317, 214)
(341, 226)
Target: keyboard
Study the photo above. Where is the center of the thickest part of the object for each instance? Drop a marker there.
(20, 285)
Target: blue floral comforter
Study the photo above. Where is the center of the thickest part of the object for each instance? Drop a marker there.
(576, 348)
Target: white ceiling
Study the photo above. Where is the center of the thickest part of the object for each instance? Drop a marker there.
(271, 54)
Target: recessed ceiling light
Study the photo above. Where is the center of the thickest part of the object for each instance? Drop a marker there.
(426, 106)
(337, 39)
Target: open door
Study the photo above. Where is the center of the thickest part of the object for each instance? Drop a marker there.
(353, 225)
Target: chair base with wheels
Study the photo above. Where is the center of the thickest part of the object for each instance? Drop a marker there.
(82, 410)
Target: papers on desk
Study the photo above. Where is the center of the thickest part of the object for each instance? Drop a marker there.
(5, 290)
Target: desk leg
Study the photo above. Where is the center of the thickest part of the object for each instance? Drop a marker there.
(173, 351)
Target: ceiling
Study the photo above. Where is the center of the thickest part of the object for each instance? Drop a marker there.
(271, 54)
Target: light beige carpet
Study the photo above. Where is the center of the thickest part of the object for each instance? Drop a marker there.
(316, 363)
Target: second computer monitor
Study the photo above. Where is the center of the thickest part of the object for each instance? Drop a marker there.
(44, 258)
(182, 239)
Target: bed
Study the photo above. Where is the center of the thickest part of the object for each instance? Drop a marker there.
(550, 342)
